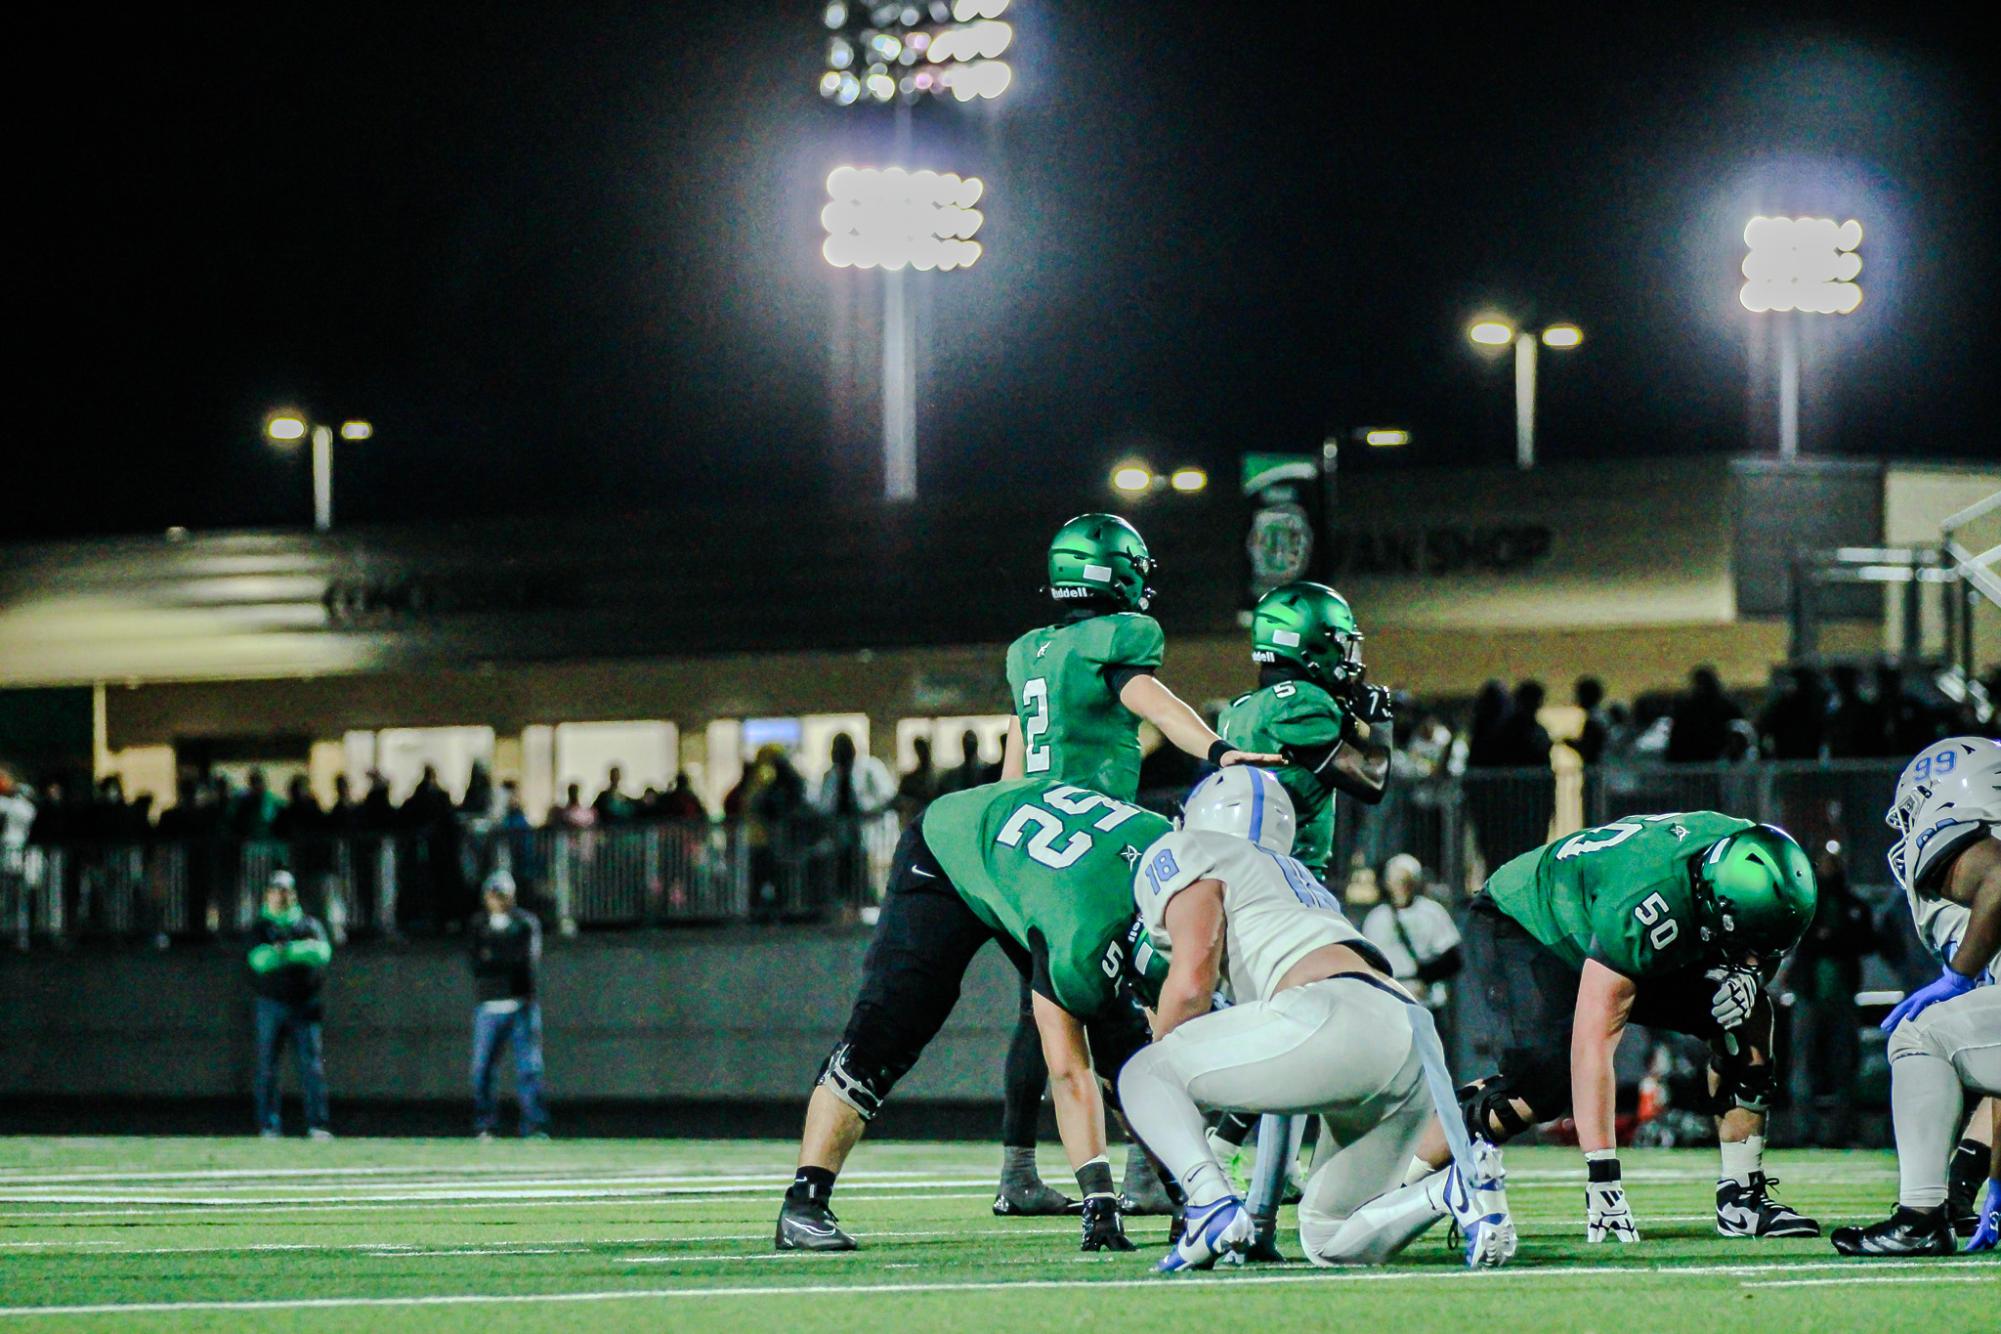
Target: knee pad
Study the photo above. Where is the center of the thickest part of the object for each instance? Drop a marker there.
(857, 1081)
(1488, 1109)
(1740, 1082)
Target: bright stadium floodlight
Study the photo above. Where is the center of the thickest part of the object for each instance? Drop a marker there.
(1188, 481)
(1804, 264)
(889, 218)
(1386, 437)
(1491, 332)
(1794, 267)
(968, 11)
(356, 430)
(285, 426)
(1562, 336)
(1132, 479)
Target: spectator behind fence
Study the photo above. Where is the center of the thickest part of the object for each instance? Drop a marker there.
(1699, 724)
(918, 785)
(573, 813)
(506, 963)
(1510, 813)
(855, 789)
(1414, 932)
(1854, 721)
(288, 959)
(680, 801)
(612, 805)
(1824, 974)
(1596, 733)
(968, 772)
(1793, 723)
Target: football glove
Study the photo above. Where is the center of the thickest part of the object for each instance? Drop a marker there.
(1736, 995)
(1371, 704)
(1950, 984)
(1104, 1230)
(1606, 1213)
(1988, 1234)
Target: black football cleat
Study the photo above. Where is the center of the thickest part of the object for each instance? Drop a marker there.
(1141, 1194)
(1264, 1245)
(810, 1227)
(1750, 1211)
(1905, 1232)
(1031, 1197)
(1966, 1175)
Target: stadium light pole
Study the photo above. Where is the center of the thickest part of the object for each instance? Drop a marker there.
(896, 220)
(1497, 331)
(1794, 267)
(287, 426)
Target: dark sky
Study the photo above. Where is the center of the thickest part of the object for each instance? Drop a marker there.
(569, 259)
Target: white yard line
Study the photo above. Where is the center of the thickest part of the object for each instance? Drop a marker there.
(1994, 1278)
(218, 1178)
(1189, 1284)
(554, 1189)
(168, 1213)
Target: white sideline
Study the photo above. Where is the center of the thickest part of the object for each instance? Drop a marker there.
(1186, 1284)
(552, 1190)
(537, 1174)
(249, 1207)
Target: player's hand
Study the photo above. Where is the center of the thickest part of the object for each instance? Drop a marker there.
(1949, 985)
(1606, 1213)
(1257, 757)
(1736, 995)
(1104, 1230)
(1988, 1234)
(1371, 704)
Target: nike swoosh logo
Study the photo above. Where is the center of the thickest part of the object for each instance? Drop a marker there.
(918, 870)
(815, 1231)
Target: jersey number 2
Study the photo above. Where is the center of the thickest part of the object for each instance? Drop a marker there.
(1035, 704)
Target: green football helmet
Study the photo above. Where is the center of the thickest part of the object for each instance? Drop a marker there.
(1100, 556)
(1760, 892)
(1310, 625)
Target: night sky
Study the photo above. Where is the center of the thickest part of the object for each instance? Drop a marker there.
(569, 259)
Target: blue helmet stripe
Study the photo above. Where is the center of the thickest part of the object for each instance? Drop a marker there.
(1257, 805)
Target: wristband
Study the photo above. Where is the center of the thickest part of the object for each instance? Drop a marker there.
(1601, 1165)
(1217, 750)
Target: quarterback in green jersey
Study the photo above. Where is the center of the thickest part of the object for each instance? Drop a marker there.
(1080, 690)
(1044, 869)
(1668, 921)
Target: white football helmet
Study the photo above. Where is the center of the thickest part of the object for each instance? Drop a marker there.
(1246, 802)
(1949, 792)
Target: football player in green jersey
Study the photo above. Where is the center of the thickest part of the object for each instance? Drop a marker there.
(1668, 921)
(1043, 868)
(1314, 706)
(1080, 689)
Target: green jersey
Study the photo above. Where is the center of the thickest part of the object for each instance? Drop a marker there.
(1623, 893)
(1064, 680)
(1049, 865)
(1300, 714)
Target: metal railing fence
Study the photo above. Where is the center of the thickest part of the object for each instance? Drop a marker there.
(815, 868)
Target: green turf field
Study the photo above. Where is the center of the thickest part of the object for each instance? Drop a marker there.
(219, 1233)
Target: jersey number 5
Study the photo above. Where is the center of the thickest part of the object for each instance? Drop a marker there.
(1035, 724)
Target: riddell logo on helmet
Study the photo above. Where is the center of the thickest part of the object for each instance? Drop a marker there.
(1065, 592)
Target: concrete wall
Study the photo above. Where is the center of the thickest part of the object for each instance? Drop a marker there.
(728, 1015)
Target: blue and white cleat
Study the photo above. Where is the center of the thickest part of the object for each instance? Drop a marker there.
(1222, 1230)
(1482, 1212)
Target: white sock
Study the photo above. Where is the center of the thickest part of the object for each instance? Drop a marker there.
(1926, 1104)
(1206, 1183)
(1418, 1171)
(1743, 1158)
(1380, 1228)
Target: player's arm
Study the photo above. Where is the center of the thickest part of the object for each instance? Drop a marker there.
(1194, 921)
(1014, 754)
(1604, 1003)
(1073, 1088)
(1146, 696)
(1975, 883)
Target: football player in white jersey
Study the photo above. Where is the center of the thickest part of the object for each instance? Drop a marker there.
(1945, 1039)
(1318, 1026)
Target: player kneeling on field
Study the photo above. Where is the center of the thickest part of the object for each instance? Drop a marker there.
(1669, 921)
(1318, 1027)
(1945, 1038)
(1044, 869)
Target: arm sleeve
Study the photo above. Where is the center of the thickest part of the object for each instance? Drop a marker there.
(1134, 647)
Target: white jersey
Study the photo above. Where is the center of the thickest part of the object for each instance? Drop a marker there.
(1941, 922)
(1275, 912)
